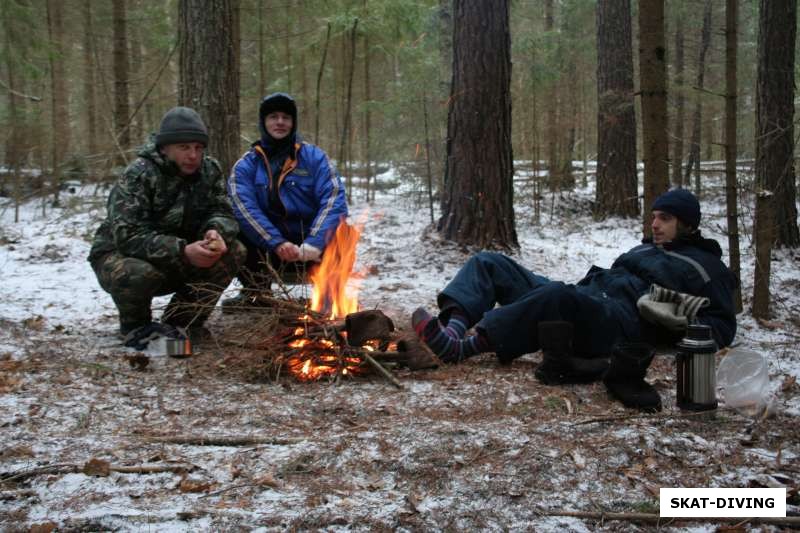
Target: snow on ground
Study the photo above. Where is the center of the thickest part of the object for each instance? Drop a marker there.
(473, 446)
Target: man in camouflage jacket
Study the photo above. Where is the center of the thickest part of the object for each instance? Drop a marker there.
(169, 229)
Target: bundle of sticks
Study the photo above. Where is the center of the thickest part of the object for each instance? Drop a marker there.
(288, 336)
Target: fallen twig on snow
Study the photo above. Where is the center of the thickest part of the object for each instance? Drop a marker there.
(653, 416)
(75, 468)
(385, 373)
(201, 440)
(663, 520)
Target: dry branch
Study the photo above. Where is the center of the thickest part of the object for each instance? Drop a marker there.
(151, 469)
(657, 519)
(385, 373)
(61, 469)
(200, 440)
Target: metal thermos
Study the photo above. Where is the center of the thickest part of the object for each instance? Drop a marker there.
(697, 382)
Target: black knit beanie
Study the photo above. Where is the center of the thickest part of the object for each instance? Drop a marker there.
(681, 204)
(180, 125)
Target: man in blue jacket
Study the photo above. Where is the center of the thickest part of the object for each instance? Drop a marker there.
(574, 324)
(287, 198)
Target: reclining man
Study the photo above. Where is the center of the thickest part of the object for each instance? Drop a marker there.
(169, 229)
(578, 325)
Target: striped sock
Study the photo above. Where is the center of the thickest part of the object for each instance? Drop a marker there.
(457, 325)
(443, 342)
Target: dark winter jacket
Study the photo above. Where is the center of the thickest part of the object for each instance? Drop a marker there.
(309, 204)
(691, 265)
(153, 212)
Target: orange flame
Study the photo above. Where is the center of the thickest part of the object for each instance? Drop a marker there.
(330, 292)
(308, 367)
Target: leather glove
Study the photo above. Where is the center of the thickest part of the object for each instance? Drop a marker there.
(309, 253)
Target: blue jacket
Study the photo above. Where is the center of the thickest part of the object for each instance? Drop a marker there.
(691, 266)
(312, 200)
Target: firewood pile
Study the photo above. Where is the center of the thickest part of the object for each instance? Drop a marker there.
(288, 339)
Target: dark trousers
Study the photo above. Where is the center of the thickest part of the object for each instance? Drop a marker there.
(526, 299)
(132, 284)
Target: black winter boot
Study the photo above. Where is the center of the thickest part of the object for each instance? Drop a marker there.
(559, 365)
(625, 377)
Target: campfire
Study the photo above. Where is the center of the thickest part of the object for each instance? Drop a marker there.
(332, 338)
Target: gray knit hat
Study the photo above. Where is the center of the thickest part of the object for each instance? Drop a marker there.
(181, 124)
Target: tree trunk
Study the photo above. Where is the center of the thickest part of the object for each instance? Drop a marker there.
(367, 113)
(445, 47)
(568, 111)
(680, 104)
(262, 65)
(59, 95)
(139, 73)
(14, 149)
(775, 114)
(208, 33)
(445, 82)
(477, 204)
(428, 157)
(88, 80)
(551, 114)
(764, 236)
(697, 120)
(731, 182)
(121, 74)
(348, 106)
(287, 48)
(617, 182)
(653, 88)
(16, 104)
(317, 109)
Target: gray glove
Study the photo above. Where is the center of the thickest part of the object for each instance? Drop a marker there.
(662, 314)
(670, 309)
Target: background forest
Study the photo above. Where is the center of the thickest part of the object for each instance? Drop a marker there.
(77, 77)
(526, 126)
(85, 82)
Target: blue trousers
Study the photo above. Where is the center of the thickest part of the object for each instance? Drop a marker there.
(526, 299)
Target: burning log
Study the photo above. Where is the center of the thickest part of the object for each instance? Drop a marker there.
(364, 326)
(417, 354)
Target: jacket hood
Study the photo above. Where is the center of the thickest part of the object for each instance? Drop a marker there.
(276, 102)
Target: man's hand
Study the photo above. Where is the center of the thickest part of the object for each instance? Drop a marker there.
(198, 254)
(309, 253)
(288, 252)
(215, 242)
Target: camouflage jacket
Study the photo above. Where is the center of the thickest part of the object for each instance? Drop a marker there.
(153, 212)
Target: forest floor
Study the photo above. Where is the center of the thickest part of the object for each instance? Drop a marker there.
(89, 443)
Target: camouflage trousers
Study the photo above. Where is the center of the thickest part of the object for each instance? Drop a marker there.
(132, 284)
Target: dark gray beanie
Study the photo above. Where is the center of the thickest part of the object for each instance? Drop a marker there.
(180, 125)
(680, 203)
